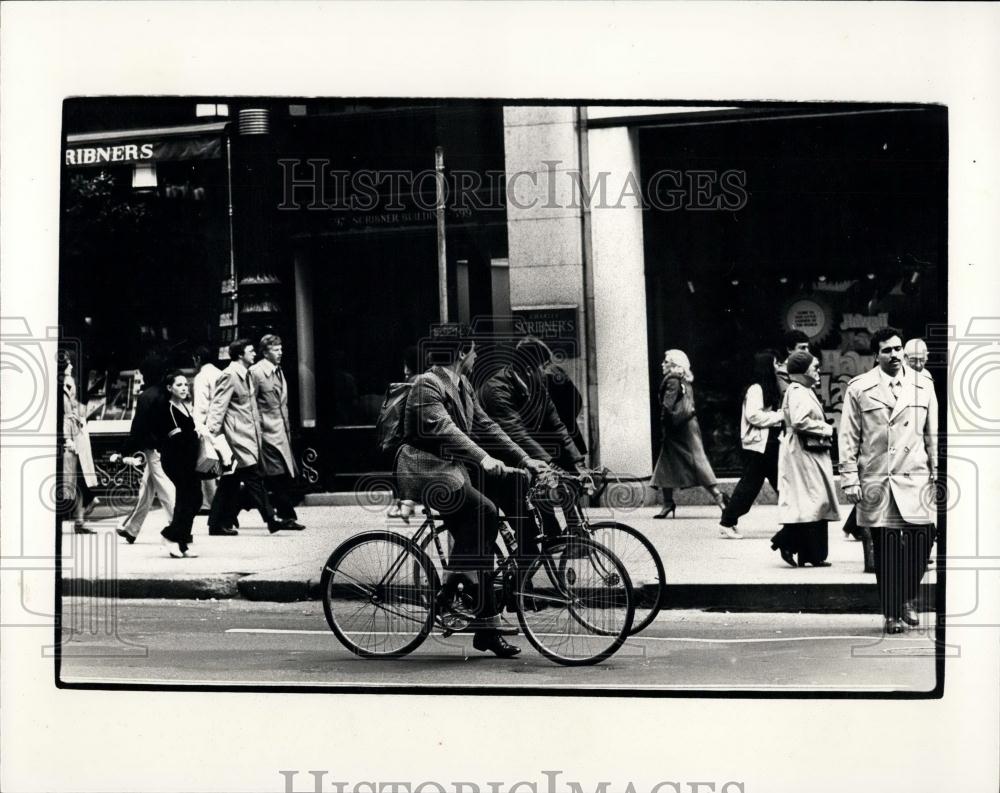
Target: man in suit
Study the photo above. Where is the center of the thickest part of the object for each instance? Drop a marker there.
(207, 375)
(517, 399)
(143, 438)
(233, 412)
(794, 341)
(277, 462)
(447, 462)
(915, 355)
(888, 467)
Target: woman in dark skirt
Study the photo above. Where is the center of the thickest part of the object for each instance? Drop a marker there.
(179, 456)
(807, 495)
(682, 461)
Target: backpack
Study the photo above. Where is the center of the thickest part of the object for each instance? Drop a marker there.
(389, 429)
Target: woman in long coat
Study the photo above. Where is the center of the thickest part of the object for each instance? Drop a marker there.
(807, 493)
(78, 462)
(682, 461)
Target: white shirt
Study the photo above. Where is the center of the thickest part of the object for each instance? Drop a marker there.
(888, 381)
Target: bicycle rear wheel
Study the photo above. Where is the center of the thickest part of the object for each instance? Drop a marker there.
(378, 595)
(643, 563)
(574, 602)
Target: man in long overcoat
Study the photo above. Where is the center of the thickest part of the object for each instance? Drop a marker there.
(888, 467)
(233, 412)
(277, 463)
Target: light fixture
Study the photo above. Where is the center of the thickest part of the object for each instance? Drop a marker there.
(144, 176)
(783, 280)
(822, 279)
(871, 276)
(690, 287)
(735, 282)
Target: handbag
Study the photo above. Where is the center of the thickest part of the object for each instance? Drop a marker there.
(816, 443)
(209, 464)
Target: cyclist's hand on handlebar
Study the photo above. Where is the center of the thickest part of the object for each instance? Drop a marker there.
(536, 467)
(492, 465)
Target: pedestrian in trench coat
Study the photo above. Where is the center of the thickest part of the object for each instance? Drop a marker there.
(807, 491)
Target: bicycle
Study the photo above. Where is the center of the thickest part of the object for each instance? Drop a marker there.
(631, 546)
(382, 595)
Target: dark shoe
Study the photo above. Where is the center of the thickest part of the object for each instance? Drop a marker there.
(894, 625)
(869, 570)
(668, 510)
(788, 556)
(125, 536)
(292, 525)
(222, 532)
(89, 509)
(79, 528)
(491, 640)
(275, 526)
(910, 616)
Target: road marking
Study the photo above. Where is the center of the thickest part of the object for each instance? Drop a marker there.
(769, 640)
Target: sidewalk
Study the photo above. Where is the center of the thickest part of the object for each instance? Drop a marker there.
(702, 570)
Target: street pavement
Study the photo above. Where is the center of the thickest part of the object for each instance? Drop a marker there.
(702, 570)
(244, 643)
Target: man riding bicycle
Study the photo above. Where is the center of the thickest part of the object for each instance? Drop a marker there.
(517, 399)
(451, 461)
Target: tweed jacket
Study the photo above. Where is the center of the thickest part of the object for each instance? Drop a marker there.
(233, 412)
(275, 431)
(445, 433)
(527, 414)
(890, 449)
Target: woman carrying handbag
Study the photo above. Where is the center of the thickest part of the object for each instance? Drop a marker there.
(682, 461)
(807, 494)
(180, 457)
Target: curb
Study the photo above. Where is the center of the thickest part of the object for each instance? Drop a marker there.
(818, 598)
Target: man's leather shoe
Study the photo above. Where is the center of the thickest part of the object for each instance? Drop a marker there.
(910, 616)
(491, 640)
(222, 532)
(292, 525)
(125, 536)
(275, 526)
(788, 556)
(79, 528)
(894, 625)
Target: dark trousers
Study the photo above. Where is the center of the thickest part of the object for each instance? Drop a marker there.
(809, 540)
(187, 501)
(901, 557)
(226, 502)
(757, 467)
(472, 518)
(279, 492)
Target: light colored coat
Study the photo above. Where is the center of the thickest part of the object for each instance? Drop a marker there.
(888, 449)
(75, 430)
(806, 488)
(233, 412)
(756, 420)
(203, 389)
(275, 431)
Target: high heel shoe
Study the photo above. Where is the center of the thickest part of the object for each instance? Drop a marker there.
(668, 509)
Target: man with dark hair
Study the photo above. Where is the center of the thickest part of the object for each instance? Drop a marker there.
(277, 463)
(233, 412)
(444, 463)
(793, 341)
(888, 461)
(143, 438)
(517, 399)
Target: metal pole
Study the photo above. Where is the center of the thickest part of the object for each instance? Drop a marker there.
(441, 253)
(590, 329)
(232, 255)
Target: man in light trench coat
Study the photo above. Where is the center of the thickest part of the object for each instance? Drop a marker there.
(888, 467)
(277, 463)
(233, 412)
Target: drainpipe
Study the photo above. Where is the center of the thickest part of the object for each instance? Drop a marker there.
(590, 332)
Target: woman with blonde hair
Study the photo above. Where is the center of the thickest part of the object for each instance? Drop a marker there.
(682, 461)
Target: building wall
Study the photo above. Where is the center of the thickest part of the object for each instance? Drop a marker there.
(544, 227)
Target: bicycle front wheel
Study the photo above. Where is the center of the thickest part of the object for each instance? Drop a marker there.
(643, 563)
(575, 602)
(378, 595)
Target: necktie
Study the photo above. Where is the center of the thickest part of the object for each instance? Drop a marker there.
(894, 388)
(281, 382)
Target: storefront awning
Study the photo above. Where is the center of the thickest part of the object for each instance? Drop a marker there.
(129, 147)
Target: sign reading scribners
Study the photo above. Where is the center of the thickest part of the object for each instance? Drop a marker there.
(130, 153)
(555, 325)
